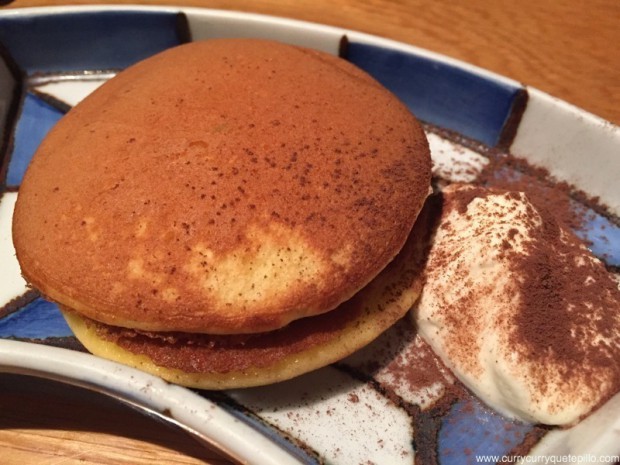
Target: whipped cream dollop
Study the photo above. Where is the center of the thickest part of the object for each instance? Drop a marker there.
(518, 308)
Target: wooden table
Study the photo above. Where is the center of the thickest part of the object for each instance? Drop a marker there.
(568, 49)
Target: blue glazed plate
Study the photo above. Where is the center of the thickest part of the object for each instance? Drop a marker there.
(373, 407)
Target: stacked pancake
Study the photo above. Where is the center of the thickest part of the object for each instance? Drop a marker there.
(228, 213)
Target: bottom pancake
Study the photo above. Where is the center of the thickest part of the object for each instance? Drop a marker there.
(234, 361)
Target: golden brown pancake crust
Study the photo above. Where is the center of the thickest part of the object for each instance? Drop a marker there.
(232, 361)
(225, 186)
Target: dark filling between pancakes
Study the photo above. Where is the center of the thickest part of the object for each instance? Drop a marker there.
(205, 353)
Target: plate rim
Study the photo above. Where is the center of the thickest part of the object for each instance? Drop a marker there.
(306, 24)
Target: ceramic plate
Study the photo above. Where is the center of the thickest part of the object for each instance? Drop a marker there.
(372, 407)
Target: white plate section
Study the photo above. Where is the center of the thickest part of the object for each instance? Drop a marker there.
(401, 363)
(70, 91)
(573, 145)
(346, 420)
(13, 285)
(454, 162)
(227, 24)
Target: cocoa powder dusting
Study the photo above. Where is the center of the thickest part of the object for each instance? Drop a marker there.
(568, 311)
(513, 174)
(568, 302)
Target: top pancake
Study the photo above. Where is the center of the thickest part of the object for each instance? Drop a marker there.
(225, 186)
